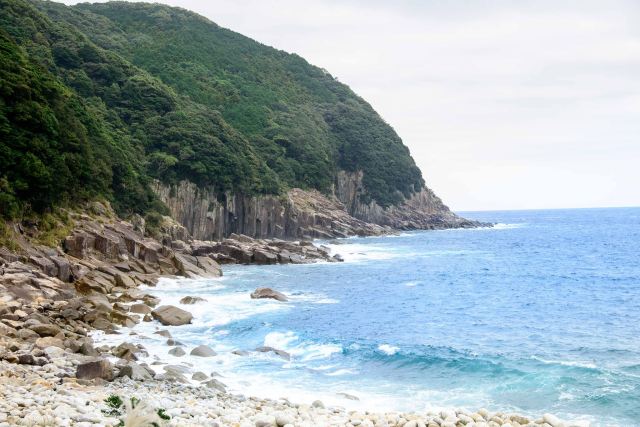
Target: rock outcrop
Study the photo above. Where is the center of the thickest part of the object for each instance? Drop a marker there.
(169, 315)
(268, 293)
(298, 215)
(302, 214)
(423, 211)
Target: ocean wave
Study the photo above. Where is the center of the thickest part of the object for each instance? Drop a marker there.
(388, 349)
(303, 351)
(570, 363)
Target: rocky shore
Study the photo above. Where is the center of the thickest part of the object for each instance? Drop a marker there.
(52, 373)
(49, 395)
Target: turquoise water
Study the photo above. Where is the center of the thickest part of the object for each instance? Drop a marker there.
(539, 314)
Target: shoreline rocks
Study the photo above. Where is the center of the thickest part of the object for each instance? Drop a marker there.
(268, 293)
(170, 315)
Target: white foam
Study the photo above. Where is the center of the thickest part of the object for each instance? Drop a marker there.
(573, 363)
(303, 351)
(387, 349)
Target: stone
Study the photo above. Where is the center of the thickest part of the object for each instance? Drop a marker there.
(97, 369)
(140, 309)
(202, 351)
(283, 419)
(317, 404)
(281, 353)
(191, 300)
(126, 351)
(163, 333)
(264, 257)
(177, 351)
(135, 372)
(170, 315)
(87, 349)
(124, 281)
(199, 376)
(348, 396)
(215, 384)
(268, 293)
(552, 420)
(26, 334)
(46, 329)
(45, 342)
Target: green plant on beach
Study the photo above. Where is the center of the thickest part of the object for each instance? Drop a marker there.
(134, 413)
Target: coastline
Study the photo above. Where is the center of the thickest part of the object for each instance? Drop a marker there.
(53, 373)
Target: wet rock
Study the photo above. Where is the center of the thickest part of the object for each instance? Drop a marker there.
(140, 309)
(281, 353)
(203, 351)
(170, 315)
(268, 293)
(348, 396)
(199, 376)
(177, 352)
(264, 257)
(163, 333)
(191, 300)
(215, 384)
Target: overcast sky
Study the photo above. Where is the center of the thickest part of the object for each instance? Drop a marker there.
(504, 104)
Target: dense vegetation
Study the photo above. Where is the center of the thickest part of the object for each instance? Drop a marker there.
(98, 99)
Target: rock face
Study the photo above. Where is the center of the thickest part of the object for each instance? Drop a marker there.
(300, 214)
(170, 315)
(423, 211)
(268, 293)
(303, 214)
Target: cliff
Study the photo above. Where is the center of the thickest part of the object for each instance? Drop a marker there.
(299, 214)
(302, 213)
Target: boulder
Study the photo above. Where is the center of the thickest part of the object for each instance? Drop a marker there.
(170, 315)
(203, 351)
(215, 384)
(281, 353)
(135, 372)
(45, 342)
(209, 267)
(191, 300)
(177, 352)
(140, 309)
(199, 376)
(126, 351)
(124, 281)
(97, 369)
(46, 329)
(264, 257)
(268, 293)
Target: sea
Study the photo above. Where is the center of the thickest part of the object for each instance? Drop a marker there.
(538, 314)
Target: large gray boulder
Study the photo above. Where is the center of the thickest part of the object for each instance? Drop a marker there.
(170, 315)
(203, 351)
(135, 372)
(268, 293)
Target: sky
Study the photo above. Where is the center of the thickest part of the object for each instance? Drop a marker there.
(503, 104)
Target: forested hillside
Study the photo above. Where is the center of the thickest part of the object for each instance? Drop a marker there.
(99, 99)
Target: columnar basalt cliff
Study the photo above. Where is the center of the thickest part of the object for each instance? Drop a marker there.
(297, 215)
(302, 213)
